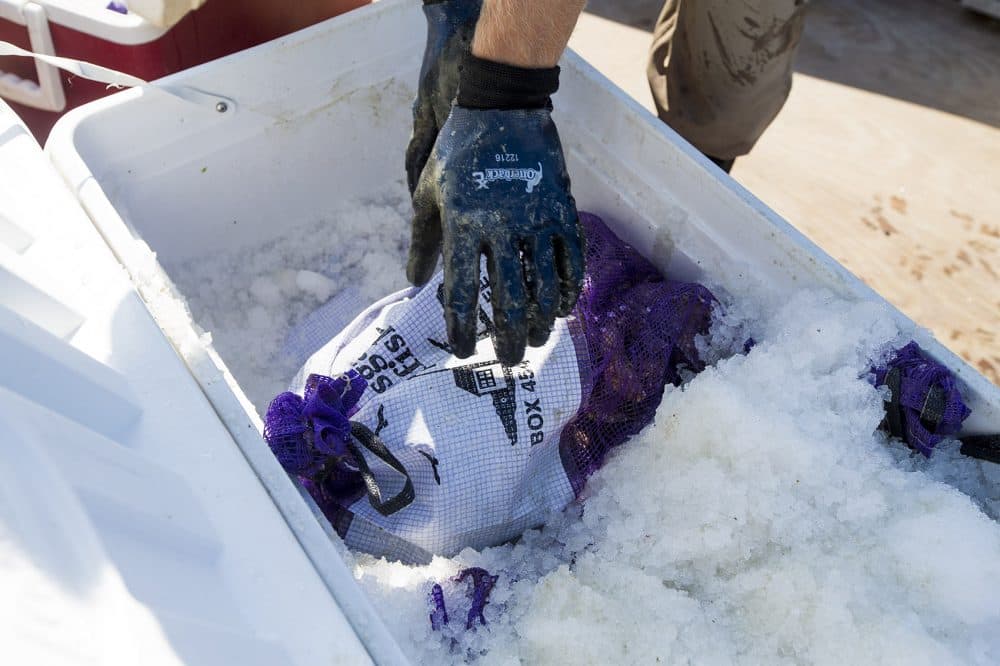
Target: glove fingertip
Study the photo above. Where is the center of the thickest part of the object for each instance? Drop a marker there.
(412, 181)
(538, 336)
(462, 340)
(510, 354)
(420, 269)
(511, 337)
(463, 352)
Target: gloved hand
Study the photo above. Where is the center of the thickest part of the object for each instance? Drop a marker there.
(496, 184)
(450, 28)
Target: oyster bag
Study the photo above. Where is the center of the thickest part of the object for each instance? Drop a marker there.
(411, 452)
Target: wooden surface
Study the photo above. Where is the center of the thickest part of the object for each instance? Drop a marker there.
(887, 153)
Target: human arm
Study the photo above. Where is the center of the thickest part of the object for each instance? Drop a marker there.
(525, 33)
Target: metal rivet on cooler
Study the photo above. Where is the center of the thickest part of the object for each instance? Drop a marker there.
(221, 107)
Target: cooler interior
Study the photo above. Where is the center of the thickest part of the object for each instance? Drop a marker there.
(289, 211)
(290, 195)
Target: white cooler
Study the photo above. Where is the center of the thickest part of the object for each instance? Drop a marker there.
(213, 568)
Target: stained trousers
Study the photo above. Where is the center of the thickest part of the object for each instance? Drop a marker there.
(720, 70)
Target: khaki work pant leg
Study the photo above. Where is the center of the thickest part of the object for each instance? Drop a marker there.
(720, 70)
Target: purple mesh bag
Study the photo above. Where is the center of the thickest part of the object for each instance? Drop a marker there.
(640, 330)
(305, 433)
(481, 451)
(925, 405)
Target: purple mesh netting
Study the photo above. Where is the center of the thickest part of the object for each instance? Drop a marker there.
(640, 330)
(308, 437)
(479, 592)
(439, 614)
(919, 375)
(306, 433)
(284, 430)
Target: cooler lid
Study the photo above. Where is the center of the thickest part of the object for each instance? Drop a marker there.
(94, 17)
(162, 13)
(118, 21)
(20, 194)
(132, 529)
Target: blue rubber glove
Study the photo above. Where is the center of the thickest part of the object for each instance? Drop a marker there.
(496, 184)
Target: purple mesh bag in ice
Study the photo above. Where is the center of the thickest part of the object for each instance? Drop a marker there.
(410, 451)
(639, 330)
(925, 405)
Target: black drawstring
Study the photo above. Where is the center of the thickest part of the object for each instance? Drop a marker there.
(981, 447)
(894, 410)
(377, 447)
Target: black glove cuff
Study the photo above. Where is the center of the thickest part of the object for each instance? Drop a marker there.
(484, 84)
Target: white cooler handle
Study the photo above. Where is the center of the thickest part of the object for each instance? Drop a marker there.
(113, 78)
(48, 93)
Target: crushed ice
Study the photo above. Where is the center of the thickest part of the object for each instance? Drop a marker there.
(760, 518)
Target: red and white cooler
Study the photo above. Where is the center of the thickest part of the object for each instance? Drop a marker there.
(146, 38)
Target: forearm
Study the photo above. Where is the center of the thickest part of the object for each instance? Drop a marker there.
(525, 33)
